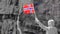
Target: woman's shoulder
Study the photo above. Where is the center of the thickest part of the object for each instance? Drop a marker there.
(54, 28)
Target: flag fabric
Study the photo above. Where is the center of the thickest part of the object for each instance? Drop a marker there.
(28, 9)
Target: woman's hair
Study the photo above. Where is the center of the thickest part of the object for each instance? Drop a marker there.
(50, 20)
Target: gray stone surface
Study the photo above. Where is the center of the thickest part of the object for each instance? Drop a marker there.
(5, 7)
(28, 20)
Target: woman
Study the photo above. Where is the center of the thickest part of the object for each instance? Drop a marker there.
(51, 29)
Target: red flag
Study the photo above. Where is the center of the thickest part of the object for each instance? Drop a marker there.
(28, 9)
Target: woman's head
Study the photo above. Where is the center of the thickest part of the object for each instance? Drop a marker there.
(51, 22)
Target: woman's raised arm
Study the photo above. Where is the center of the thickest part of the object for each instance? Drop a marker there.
(40, 24)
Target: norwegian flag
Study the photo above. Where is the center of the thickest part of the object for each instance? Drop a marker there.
(28, 9)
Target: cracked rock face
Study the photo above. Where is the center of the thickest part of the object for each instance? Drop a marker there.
(8, 26)
(27, 22)
(6, 6)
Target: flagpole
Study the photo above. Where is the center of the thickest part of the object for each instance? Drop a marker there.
(18, 27)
